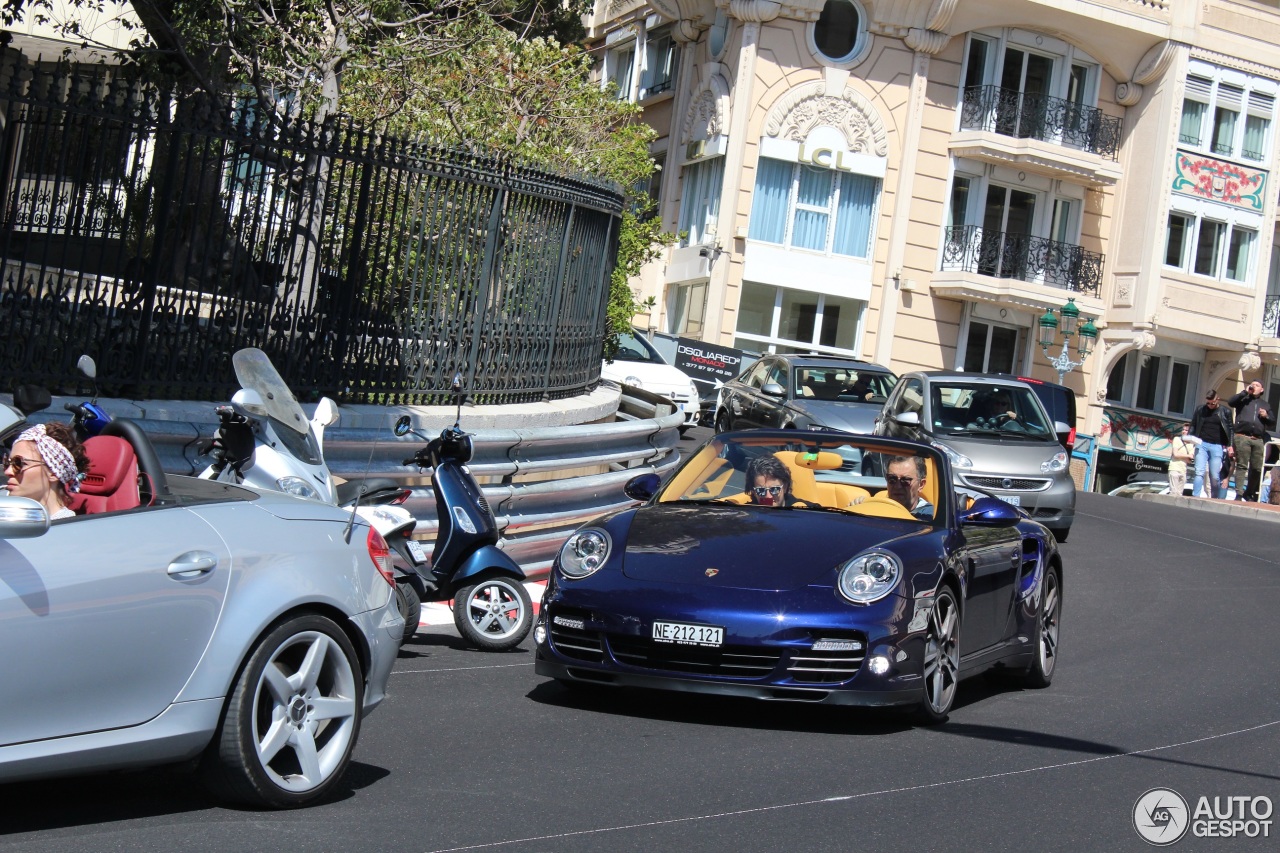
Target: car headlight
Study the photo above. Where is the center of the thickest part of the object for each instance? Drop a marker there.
(585, 552)
(297, 487)
(869, 577)
(1056, 462)
(634, 381)
(958, 460)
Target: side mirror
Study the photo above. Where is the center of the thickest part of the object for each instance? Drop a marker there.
(403, 426)
(773, 389)
(22, 518)
(907, 419)
(642, 487)
(1063, 432)
(249, 403)
(326, 412)
(86, 365)
(990, 512)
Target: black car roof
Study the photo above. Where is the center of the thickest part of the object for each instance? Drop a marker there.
(819, 360)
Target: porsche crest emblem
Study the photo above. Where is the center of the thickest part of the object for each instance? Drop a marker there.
(712, 572)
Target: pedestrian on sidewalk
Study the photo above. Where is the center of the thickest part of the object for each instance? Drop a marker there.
(1183, 451)
(1253, 418)
(1211, 423)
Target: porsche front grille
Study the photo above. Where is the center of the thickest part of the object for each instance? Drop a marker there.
(729, 661)
(826, 667)
(575, 643)
(1017, 484)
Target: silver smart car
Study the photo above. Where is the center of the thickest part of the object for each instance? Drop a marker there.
(997, 434)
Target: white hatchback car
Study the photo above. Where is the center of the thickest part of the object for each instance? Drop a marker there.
(638, 364)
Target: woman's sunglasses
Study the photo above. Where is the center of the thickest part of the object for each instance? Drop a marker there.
(18, 463)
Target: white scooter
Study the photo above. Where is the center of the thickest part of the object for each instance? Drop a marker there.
(265, 440)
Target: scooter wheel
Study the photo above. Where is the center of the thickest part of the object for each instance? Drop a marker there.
(410, 605)
(494, 614)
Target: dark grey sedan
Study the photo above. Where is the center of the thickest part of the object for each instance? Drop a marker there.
(805, 392)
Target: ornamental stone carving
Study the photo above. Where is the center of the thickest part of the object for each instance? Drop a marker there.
(1128, 94)
(1250, 361)
(755, 11)
(806, 107)
(708, 113)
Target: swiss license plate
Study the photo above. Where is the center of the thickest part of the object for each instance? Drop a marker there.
(1016, 500)
(688, 635)
(415, 551)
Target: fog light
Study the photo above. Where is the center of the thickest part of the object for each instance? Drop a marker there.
(879, 664)
(540, 633)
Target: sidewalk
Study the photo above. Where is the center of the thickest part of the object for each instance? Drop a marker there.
(1240, 509)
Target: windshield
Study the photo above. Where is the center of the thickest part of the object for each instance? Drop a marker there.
(255, 372)
(960, 408)
(860, 476)
(844, 385)
(635, 348)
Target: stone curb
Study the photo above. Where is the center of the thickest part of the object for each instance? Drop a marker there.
(1239, 509)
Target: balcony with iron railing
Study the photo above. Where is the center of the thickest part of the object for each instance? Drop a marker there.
(1037, 260)
(1024, 115)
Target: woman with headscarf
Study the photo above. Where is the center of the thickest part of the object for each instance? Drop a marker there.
(45, 464)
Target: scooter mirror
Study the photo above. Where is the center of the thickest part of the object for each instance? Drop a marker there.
(86, 365)
(403, 426)
(248, 402)
(326, 412)
(457, 382)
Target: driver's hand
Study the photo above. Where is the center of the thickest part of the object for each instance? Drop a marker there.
(1013, 416)
(859, 499)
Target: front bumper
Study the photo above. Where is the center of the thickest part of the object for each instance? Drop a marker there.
(1053, 505)
(803, 650)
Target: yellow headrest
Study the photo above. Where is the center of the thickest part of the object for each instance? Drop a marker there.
(823, 460)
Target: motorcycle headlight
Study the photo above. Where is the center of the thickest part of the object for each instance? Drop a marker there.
(1056, 462)
(869, 577)
(297, 487)
(958, 460)
(584, 552)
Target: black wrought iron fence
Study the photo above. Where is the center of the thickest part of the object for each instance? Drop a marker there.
(1271, 317)
(970, 248)
(160, 236)
(1030, 116)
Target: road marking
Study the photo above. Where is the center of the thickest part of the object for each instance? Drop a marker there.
(864, 795)
(1183, 538)
(459, 668)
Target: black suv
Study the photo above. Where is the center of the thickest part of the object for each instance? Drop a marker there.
(1060, 402)
(807, 391)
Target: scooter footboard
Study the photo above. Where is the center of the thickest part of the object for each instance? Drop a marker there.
(483, 559)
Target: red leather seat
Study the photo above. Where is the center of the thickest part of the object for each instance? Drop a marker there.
(111, 483)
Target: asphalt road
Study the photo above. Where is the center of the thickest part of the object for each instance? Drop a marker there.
(1167, 678)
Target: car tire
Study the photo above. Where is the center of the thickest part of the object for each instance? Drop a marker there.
(410, 606)
(1040, 673)
(941, 659)
(723, 424)
(494, 614)
(292, 720)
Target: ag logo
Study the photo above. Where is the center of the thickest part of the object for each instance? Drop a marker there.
(1160, 816)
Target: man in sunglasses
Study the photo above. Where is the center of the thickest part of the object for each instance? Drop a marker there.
(905, 476)
(769, 482)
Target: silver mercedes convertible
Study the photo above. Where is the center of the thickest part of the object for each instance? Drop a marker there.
(177, 620)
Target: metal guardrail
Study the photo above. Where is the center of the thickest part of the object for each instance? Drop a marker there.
(541, 483)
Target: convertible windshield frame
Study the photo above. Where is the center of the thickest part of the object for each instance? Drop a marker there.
(829, 471)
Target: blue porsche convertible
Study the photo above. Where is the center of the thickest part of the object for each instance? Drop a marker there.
(805, 566)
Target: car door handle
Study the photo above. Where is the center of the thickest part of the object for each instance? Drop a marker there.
(193, 563)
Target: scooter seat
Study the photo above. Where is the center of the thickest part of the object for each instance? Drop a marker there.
(373, 490)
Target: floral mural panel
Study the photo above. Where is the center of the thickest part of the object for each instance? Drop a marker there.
(1218, 180)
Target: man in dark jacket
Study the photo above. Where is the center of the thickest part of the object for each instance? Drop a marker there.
(1253, 417)
(1212, 425)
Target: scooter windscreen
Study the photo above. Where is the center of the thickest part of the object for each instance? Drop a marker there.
(255, 372)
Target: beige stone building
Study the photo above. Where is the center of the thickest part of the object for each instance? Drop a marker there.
(917, 182)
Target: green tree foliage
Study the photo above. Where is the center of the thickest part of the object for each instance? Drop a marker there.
(489, 75)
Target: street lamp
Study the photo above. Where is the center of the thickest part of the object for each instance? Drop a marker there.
(1051, 327)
